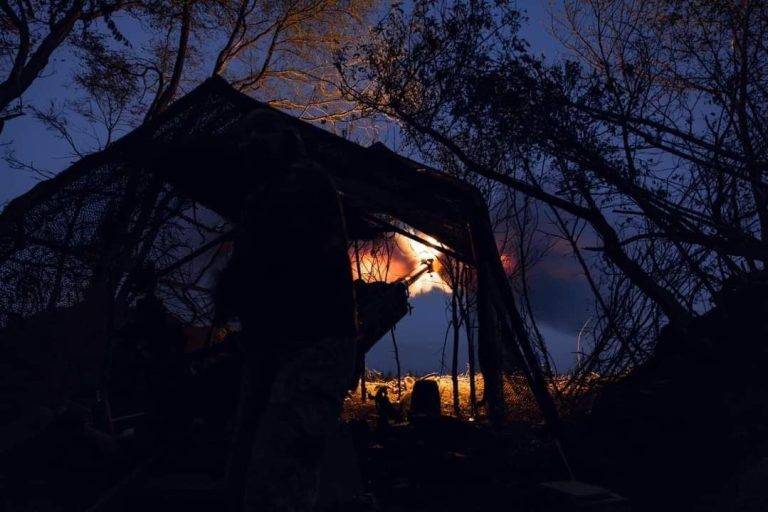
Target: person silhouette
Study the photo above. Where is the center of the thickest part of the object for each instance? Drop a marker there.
(386, 411)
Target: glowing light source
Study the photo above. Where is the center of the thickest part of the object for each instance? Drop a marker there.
(419, 253)
(407, 256)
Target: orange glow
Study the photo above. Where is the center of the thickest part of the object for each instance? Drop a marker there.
(418, 253)
(406, 256)
(509, 263)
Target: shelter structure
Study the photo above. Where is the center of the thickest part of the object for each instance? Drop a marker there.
(161, 204)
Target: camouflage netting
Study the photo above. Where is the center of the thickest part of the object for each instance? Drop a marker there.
(60, 246)
(53, 242)
(165, 196)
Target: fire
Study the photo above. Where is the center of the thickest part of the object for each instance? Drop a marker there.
(509, 263)
(406, 256)
(418, 253)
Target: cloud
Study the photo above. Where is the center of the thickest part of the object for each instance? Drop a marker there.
(561, 346)
(421, 336)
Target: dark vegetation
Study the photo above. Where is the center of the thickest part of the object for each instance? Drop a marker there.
(179, 324)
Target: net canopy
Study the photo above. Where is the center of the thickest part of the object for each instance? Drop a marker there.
(166, 196)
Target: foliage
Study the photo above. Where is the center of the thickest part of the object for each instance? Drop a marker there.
(131, 58)
(650, 138)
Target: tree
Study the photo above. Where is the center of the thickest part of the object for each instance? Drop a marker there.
(129, 68)
(31, 32)
(653, 135)
(285, 51)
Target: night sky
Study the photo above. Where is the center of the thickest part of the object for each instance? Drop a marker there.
(561, 299)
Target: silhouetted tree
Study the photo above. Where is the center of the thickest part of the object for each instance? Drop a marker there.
(653, 135)
(31, 32)
(128, 68)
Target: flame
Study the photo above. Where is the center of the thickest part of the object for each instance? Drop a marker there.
(407, 255)
(509, 262)
(418, 253)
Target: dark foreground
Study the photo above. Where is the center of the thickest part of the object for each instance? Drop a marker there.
(442, 464)
(688, 431)
(437, 465)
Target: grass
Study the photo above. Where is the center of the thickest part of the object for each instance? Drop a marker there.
(520, 403)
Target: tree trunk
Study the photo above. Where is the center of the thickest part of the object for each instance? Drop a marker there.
(470, 352)
(166, 95)
(363, 389)
(489, 351)
(397, 362)
(455, 359)
(26, 67)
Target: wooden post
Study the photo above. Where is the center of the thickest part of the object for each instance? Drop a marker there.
(455, 359)
(397, 362)
(470, 348)
(489, 353)
(363, 389)
(496, 295)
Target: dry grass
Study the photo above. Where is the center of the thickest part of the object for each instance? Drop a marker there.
(521, 405)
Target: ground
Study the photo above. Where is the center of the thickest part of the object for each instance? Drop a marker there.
(448, 464)
(444, 464)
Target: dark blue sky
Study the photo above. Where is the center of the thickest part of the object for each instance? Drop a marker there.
(561, 300)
